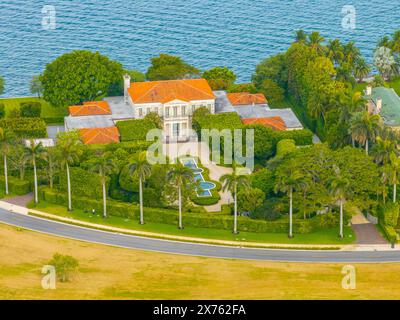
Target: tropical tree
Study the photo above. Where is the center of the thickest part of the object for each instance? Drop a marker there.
(385, 62)
(69, 150)
(36, 86)
(19, 159)
(394, 173)
(5, 144)
(34, 151)
(315, 40)
(361, 69)
(2, 85)
(79, 76)
(181, 177)
(301, 36)
(288, 180)
(364, 127)
(383, 149)
(335, 50)
(167, 67)
(233, 182)
(220, 78)
(103, 165)
(339, 187)
(140, 168)
(50, 157)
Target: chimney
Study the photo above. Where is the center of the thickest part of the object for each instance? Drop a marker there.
(368, 90)
(127, 85)
(379, 105)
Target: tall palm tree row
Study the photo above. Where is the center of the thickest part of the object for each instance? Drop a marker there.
(69, 150)
(33, 152)
(339, 188)
(181, 177)
(5, 142)
(288, 181)
(103, 165)
(233, 182)
(140, 168)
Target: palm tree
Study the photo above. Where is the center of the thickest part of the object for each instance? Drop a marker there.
(339, 187)
(384, 42)
(335, 50)
(33, 151)
(364, 127)
(350, 102)
(103, 165)
(68, 146)
(383, 149)
(140, 169)
(19, 159)
(351, 53)
(233, 182)
(5, 142)
(288, 181)
(180, 176)
(315, 41)
(50, 157)
(301, 36)
(361, 69)
(394, 174)
(395, 44)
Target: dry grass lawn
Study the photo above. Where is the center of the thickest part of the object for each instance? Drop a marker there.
(114, 273)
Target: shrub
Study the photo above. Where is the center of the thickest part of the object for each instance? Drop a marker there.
(14, 113)
(389, 214)
(31, 109)
(64, 266)
(2, 110)
(25, 127)
(390, 233)
(250, 199)
(16, 186)
(229, 120)
(83, 183)
(270, 210)
(263, 180)
(132, 130)
(301, 137)
(285, 147)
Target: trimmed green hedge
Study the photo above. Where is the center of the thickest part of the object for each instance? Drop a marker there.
(83, 183)
(16, 186)
(388, 214)
(25, 127)
(30, 109)
(199, 220)
(302, 137)
(390, 233)
(229, 120)
(132, 130)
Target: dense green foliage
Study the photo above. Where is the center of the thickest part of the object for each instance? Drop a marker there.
(167, 67)
(17, 186)
(220, 78)
(25, 127)
(131, 130)
(80, 76)
(31, 109)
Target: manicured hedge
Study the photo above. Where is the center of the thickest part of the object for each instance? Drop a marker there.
(30, 109)
(83, 183)
(221, 121)
(16, 186)
(25, 127)
(301, 137)
(132, 130)
(389, 214)
(200, 220)
(285, 146)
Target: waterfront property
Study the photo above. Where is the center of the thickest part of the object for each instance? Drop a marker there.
(175, 101)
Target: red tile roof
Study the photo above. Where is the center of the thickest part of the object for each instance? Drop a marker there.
(99, 135)
(91, 108)
(166, 91)
(275, 123)
(245, 98)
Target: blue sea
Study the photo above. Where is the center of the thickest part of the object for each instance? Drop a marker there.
(206, 33)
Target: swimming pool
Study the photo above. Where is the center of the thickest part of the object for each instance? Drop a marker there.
(206, 186)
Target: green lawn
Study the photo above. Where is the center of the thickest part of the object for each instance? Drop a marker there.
(48, 111)
(328, 237)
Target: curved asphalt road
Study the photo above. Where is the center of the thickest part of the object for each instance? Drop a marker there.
(184, 248)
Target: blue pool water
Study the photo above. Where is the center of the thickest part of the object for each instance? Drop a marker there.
(206, 33)
(205, 185)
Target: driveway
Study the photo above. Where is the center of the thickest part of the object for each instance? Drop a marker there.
(365, 231)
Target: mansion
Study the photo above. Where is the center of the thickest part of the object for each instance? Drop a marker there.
(174, 101)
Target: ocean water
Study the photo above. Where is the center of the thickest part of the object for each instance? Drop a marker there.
(206, 33)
